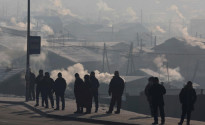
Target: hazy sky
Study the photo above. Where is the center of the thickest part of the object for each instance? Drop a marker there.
(114, 10)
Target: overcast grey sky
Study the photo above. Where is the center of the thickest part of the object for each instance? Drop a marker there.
(113, 10)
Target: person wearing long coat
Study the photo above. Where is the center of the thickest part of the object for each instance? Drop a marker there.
(87, 94)
(116, 89)
(157, 91)
(59, 88)
(187, 98)
(78, 92)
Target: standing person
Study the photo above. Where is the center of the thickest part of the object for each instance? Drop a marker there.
(87, 94)
(78, 92)
(147, 93)
(59, 88)
(47, 89)
(39, 83)
(95, 85)
(32, 86)
(157, 91)
(187, 98)
(116, 89)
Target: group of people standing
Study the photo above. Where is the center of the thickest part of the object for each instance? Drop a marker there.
(46, 86)
(155, 91)
(84, 90)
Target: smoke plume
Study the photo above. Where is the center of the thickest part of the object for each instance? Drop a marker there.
(132, 13)
(103, 6)
(61, 10)
(176, 9)
(47, 30)
(158, 28)
(20, 24)
(69, 73)
(160, 62)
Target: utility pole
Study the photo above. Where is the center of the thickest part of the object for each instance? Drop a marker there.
(140, 45)
(151, 38)
(130, 62)
(169, 28)
(105, 56)
(155, 41)
(28, 55)
(167, 73)
(141, 16)
(112, 32)
(138, 41)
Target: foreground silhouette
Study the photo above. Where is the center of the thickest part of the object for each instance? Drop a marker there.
(116, 89)
(187, 98)
(95, 85)
(59, 88)
(39, 83)
(78, 92)
(157, 91)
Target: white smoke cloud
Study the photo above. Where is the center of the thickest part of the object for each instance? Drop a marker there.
(20, 24)
(158, 28)
(38, 61)
(47, 30)
(69, 73)
(176, 9)
(130, 11)
(160, 62)
(193, 41)
(103, 6)
(61, 10)
(5, 60)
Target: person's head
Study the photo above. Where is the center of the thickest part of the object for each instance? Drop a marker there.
(156, 80)
(47, 74)
(151, 79)
(116, 73)
(86, 77)
(41, 72)
(92, 74)
(189, 84)
(77, 75)
(59, 75)
(29, 69)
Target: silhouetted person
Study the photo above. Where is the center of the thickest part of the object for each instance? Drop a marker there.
(95, 85)
(30, 78)
(78, 92)
(116, 88)
(147, 93)
(157, 91)
(59, 88)
(187, 98)
(39, 83)
(32, 86)
(87, 94)
(47, 89)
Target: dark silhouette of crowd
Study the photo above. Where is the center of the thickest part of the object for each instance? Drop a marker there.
(86, 90)
(154, 92)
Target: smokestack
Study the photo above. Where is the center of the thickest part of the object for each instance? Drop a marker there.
(155, 41)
